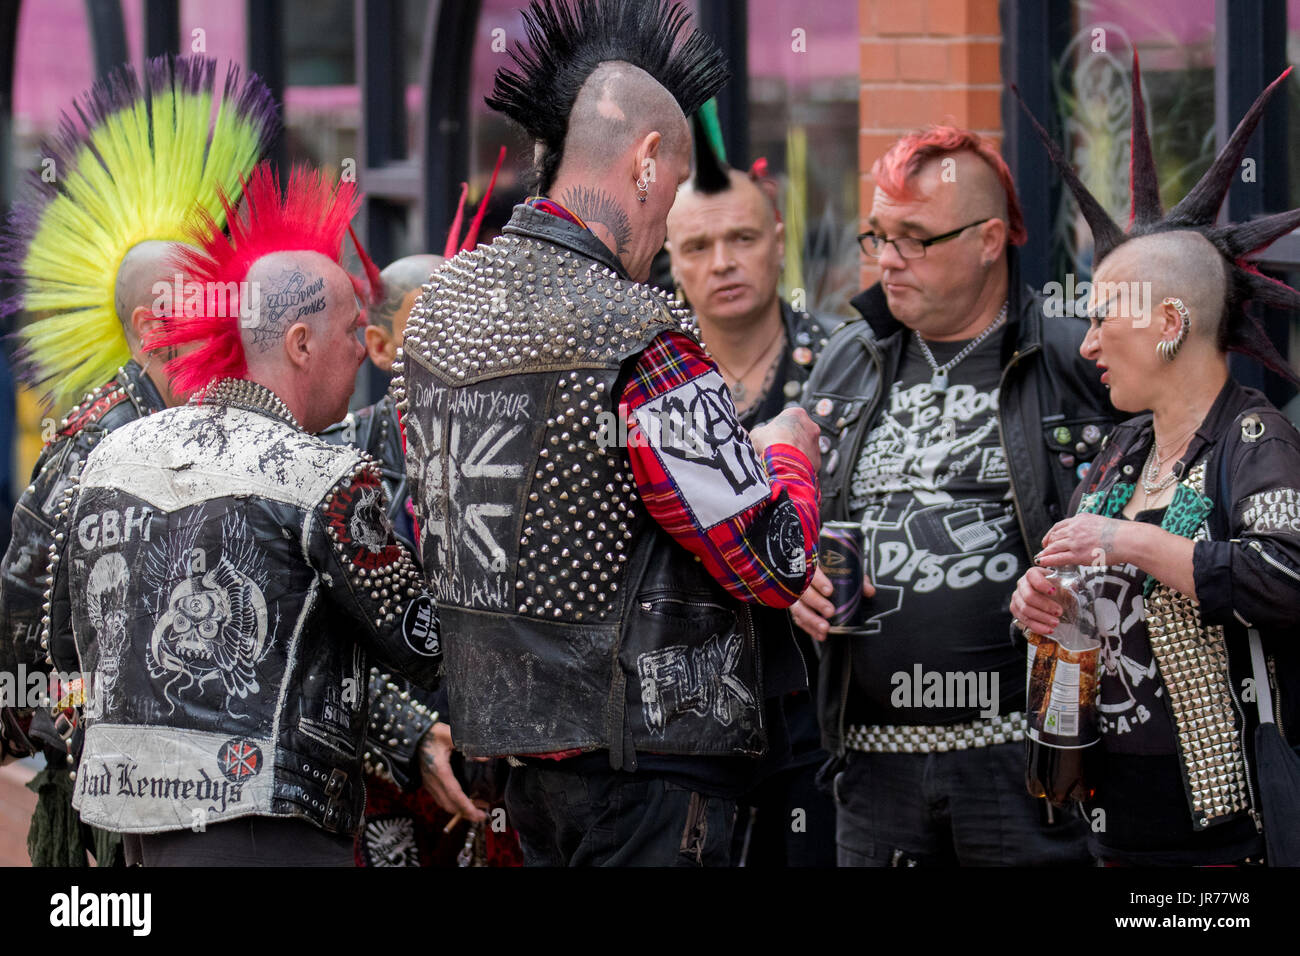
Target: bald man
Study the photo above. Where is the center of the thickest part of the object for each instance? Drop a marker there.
(402, 280)
(955, 421)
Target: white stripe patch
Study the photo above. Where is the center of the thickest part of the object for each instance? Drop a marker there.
(703, 448)
(151, 779)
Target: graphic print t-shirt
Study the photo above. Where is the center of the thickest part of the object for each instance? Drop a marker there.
(943, 549)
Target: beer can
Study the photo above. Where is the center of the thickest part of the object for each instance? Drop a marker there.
(840, 556)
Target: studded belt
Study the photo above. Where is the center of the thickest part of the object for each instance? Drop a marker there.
(928, 738)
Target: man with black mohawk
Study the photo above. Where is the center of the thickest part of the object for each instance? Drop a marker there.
(1194, 510)
(594, 521)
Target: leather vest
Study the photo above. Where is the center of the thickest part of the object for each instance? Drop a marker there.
(570, 620)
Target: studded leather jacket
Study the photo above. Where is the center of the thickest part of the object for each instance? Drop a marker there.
(223, 576)
(401, 712)
(129, 396)
(1239, 501)
(572, 621)
(1052, 411)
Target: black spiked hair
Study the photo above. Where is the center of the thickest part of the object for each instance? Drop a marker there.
(712, 175)
(1197, 212)
(568, 39)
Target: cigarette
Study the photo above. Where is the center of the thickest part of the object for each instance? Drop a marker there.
(451, 824)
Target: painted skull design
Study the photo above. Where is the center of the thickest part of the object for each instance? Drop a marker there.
(106, 593)
(211, 631)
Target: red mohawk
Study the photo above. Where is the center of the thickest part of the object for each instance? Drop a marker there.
(312, 216)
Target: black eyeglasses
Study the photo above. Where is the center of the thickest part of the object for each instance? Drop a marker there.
(907, 246)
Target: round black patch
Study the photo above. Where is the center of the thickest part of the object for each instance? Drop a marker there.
(420, 627)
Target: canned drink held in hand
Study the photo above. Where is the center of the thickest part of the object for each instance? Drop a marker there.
(840, 548)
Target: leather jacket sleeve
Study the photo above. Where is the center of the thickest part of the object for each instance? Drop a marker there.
(369, 575)
(400, 715)
(26, 563)
(1255, 576)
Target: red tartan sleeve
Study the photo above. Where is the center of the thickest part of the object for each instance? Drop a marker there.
(753, 523)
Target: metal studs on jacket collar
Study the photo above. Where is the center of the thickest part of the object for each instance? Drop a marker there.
(250, 396)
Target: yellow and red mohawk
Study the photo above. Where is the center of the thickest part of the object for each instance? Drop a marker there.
(132, 159)
(311, 215)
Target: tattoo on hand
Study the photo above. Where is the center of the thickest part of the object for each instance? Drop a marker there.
(1108, 536)
(598, 206)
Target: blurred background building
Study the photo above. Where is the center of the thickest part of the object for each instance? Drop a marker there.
(391, 91)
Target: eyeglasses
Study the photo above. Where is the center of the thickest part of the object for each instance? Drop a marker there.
(907, 246)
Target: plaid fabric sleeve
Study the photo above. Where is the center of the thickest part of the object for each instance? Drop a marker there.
(753, 523)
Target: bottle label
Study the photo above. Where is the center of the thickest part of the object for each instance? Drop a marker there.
(1061, 694)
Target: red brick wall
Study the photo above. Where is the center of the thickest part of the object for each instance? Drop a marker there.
(923, 62)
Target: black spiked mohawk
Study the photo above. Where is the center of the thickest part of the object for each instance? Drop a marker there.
(568, 40)
(1197, 212)
(711, 173)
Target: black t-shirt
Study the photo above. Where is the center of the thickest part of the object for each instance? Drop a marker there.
(943, 548)
(1145, 817)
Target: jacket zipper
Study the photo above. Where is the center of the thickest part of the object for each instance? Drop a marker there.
(649, 605)
(1273, 561)
(867, 420)
(850, 463)
(1250, 790)
(758, 664)
(1277, 696)
(1002, 438)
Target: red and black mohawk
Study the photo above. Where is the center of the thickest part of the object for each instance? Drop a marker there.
(312, 215)
(568, 40)
(1197, 212)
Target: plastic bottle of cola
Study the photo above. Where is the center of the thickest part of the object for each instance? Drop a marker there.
(1061, 751)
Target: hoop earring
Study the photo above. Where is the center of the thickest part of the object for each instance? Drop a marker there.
(1168, 348)
(642, 190)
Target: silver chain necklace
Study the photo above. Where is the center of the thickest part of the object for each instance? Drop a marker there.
(939, 381)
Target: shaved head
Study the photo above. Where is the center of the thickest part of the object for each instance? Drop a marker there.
(618, 105)
(292, 287)
(401, 277)
(976, 191)
(144, 265)
(688, 197)
(1182, 265)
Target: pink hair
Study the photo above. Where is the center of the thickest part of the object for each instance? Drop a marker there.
(894, 170)
(311, 216)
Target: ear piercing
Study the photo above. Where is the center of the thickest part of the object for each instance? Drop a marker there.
(1167, 349)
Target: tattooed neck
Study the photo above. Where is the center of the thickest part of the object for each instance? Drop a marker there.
(596, 207)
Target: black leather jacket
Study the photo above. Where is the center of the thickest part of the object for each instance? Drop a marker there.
(401, 712)
(572, 621)
(222, 577)
(1245, 461)
(1046, 386)
(23, 573)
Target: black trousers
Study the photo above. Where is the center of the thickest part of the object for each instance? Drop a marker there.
(612, 818)
(251, 841)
